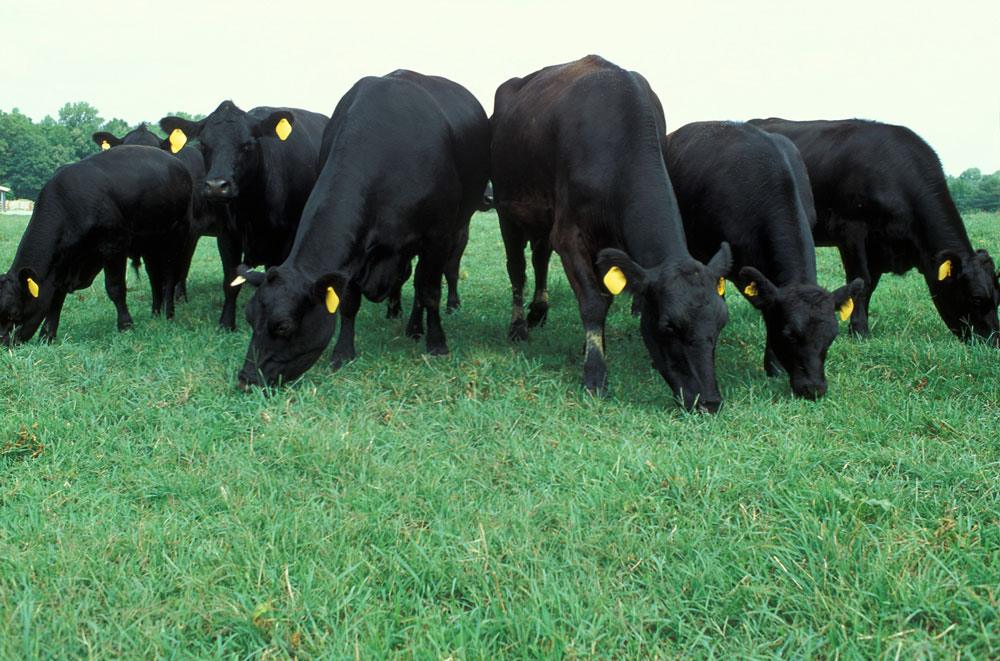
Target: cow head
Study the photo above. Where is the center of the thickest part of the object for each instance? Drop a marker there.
(292, 318)
(966, 292)
(137, 136)
(801, 321)
(230, 144)
(19, 294)
(683, 312)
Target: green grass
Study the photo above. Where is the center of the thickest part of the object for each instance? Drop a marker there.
(480, 506)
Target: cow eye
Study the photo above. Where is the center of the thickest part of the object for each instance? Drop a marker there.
(282, 328)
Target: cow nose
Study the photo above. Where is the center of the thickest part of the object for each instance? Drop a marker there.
(810, 391)
(220, 188)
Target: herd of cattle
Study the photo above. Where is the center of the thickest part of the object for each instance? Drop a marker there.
(580, 163)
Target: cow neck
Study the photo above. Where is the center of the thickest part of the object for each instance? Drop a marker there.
(41, 240)
(938, 227)
(332, 223)
(651, 227)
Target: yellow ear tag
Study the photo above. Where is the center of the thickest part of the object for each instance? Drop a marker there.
(722, 286)
(283, 129)
(751, 289)
(944, 270)
(237, 281)
(33, 288)
(105, 146)
(177, 140)
(332, 300)
(615, 280)
(846, 309)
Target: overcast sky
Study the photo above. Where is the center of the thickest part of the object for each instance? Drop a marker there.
(932, 66)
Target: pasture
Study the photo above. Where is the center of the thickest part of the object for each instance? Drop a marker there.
(481, 506)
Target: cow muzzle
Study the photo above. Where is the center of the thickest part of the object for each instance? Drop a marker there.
(220, 189)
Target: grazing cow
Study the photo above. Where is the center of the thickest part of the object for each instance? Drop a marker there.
(264, 170)
(206, 214)
(882, 200)
(738, 184)
(88, 217)
(577, 167)
(405, 159)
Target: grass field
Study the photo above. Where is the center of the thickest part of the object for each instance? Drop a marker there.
(480, 506)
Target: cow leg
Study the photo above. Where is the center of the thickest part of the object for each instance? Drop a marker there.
(855, 260)
(594, 307)
(51, 324)
(343, 350)
(395, 305)
(229, 252)
(180, 291)
(114, 284)
(514, 243)
(154, 269)
(538, 311)
(453, 267)
(427, 288)
(395, 302)
(415, 325)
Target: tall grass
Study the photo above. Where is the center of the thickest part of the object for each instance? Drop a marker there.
(481, 505)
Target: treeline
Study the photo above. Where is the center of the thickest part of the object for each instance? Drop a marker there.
(972, 190)
(30, 152)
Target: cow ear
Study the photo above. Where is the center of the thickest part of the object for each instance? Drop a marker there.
(722, 262)
(843, 298)
(105, 140)
(949, 264)
(617, 271)
(244, 274)
(760, 291)
(28, 280)
(179, 131)
(277, 123)
(328, 289)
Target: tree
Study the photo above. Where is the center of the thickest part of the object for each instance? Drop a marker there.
(81, 120)
(27, 159)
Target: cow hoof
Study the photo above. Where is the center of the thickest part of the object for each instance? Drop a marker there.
(858, 332)
(124, 325)
(227, 327)
(537, 316)
(518, 331)
(414, 331)
(438, 351)
(452, 307)
(339, 360)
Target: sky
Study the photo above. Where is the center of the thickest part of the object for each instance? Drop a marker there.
(931, 66)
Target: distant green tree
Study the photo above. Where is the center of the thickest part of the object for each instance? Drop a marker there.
(81, 120)
(972, 174)
(27, 158)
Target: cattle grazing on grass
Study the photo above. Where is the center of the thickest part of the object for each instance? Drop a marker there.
(882, 200)
(263, 165)
(577, 167)
(738, 184)
(405, 160)
(206, 215)
(90, 215)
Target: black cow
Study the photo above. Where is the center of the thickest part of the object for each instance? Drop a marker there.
(405, 159)
(882, 199)
(264, 170)
(88, 217)
(577, 166)
(738, 184)
(206, 218)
